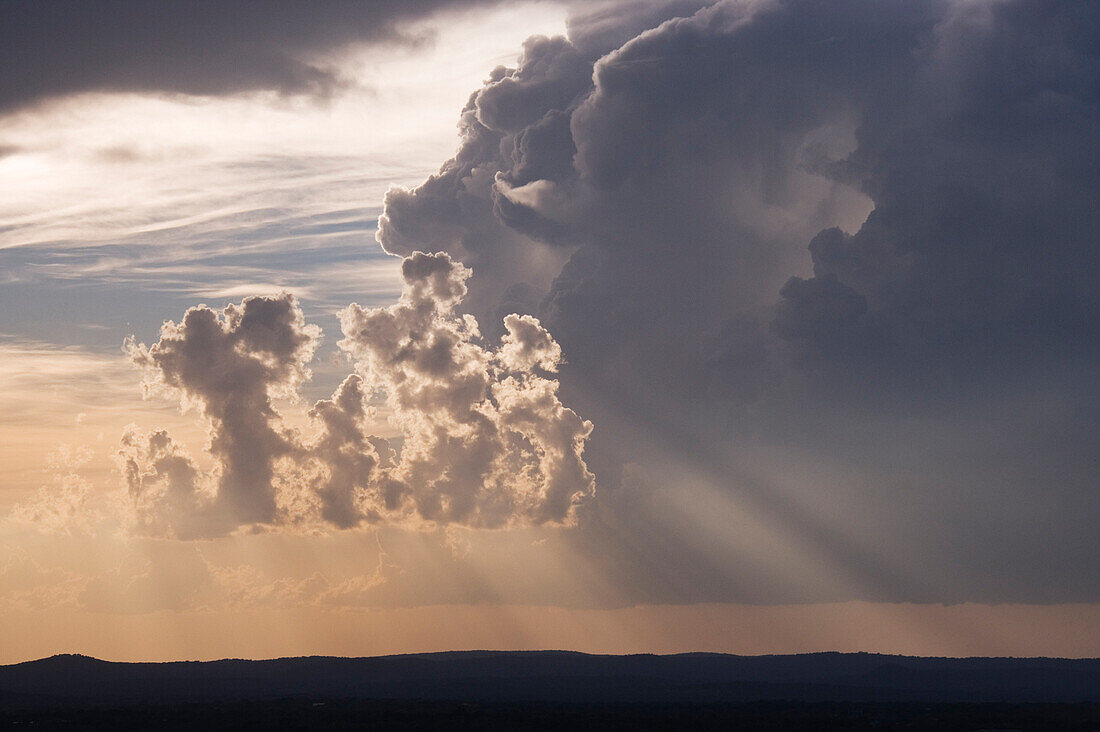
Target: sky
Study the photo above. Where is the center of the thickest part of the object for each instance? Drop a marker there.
(632, 326)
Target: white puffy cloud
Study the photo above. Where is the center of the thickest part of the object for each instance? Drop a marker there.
(486, 441)
(344, 456)
(230, 365)
(166, 493)
(527, 344)
(483, 438)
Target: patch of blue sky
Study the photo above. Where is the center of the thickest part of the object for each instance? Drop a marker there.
(94, 294)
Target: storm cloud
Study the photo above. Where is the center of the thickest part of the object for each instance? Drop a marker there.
(858, 235)
(49, 50)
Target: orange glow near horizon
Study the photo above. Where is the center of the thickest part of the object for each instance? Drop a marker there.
(927, 630)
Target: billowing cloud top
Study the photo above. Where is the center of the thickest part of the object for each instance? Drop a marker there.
(485, 437)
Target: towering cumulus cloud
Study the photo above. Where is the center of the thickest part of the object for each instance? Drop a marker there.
(485, 440)
(230, 366)
(857, 234)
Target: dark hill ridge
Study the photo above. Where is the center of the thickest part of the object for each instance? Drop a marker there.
(558, 676)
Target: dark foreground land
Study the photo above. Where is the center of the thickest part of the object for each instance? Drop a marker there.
(557, 690)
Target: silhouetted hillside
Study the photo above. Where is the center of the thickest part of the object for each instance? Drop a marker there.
(556, 676)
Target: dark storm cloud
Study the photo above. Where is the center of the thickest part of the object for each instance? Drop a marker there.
(974, 261)
(725, 296)
(50, 49)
